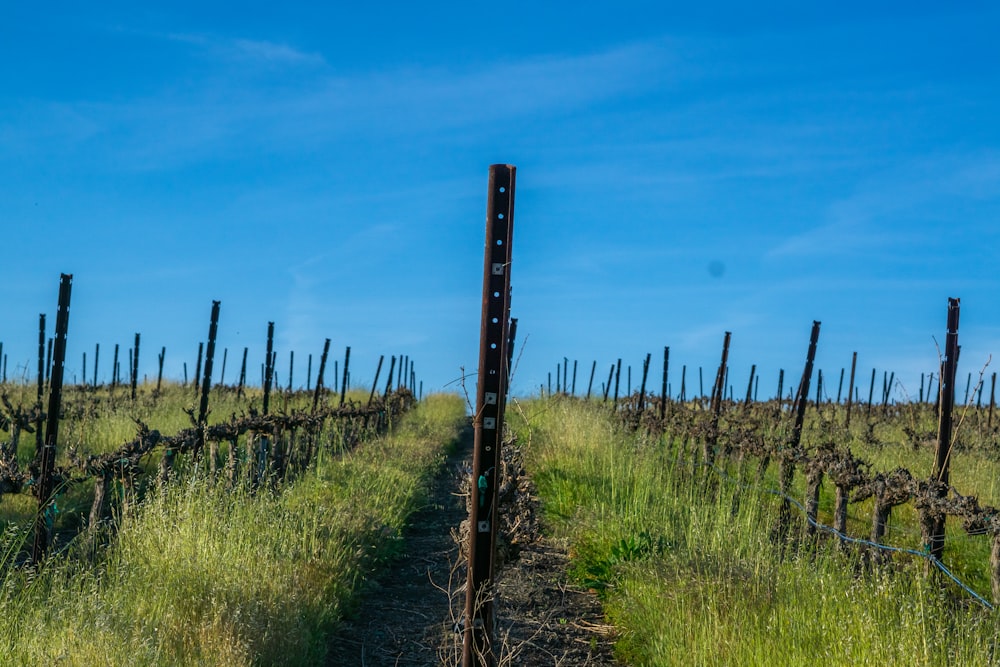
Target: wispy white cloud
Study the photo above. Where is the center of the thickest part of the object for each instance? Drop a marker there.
(225, 111)
(262, 51)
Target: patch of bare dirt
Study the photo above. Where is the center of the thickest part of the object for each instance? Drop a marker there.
(409, 613)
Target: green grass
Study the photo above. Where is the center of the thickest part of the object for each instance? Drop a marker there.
(688, 581)
(204, 575)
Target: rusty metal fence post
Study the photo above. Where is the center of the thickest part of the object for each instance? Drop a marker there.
(479, 640)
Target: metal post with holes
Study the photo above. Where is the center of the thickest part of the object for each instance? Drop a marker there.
(479, 641)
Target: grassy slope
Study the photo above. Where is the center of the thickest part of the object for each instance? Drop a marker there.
(690, 582)
(202, 575)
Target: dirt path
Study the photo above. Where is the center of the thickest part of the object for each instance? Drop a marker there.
(409, 612)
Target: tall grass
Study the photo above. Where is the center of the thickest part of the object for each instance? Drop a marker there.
(692, 577)
(201, 574)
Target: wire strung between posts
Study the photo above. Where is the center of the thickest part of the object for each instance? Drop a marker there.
(855, 540)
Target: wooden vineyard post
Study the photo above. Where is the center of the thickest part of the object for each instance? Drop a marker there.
(479, 640)
(590, 384)
(46, 457)
(942, 455)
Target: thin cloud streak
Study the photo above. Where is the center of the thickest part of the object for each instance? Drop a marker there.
(241, 49)
(218, 113)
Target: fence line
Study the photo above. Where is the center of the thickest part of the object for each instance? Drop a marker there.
(856, 540)
(272, 447)
(743, 434)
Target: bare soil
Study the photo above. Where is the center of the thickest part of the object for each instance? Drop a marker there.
(410, 611)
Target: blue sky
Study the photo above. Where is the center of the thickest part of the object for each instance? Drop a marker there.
(325, 168)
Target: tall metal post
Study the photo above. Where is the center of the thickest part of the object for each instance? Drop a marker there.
(942, 456)
(850, 389)
(159, 372)
(268, 366)
(371, 396)
(39, 424)
(114, 369)
(343, 384)
(319, 377)
(479, 641)
(392, 369)
(47, 456)
(642, 386)
(663, 392)
(135, 365)
(206, 383)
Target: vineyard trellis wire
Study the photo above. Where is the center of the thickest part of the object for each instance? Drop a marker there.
(742, 435)
(844, 538)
